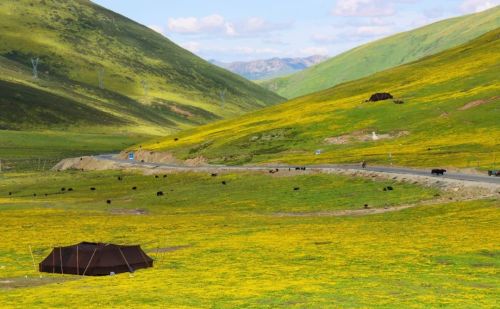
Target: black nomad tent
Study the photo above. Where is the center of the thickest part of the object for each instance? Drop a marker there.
(95, 259)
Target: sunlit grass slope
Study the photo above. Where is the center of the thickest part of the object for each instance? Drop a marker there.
(449, 118)
(236, 253)
(386, 53)
(148, 81)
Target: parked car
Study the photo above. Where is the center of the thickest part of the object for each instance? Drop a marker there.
(495, 173)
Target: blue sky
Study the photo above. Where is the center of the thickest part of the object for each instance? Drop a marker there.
(242, 30)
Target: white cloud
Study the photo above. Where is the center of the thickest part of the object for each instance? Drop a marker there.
(372, 31)
(217, 24)
(325, 38)
(474, 6)
(363, 8)
(315, 50)
(156, 28)
(194, 25)
(192, 46)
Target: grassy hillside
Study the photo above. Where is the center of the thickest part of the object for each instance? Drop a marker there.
(386, 53)
(449, 118)
(224, 246)
(150, 86)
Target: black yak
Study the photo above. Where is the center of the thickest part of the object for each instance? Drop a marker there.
(380, 97)
(134, 188)
(159, 193)
(296, 189)
(92, 189)
(70, 189)
(108, 202)
(214, 175)
(224, 182)
(438, 171)
(63, 189)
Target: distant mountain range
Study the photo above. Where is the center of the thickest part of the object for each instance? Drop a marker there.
(270, 68)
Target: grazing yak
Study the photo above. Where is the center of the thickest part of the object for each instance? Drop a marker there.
(296, 189)
(438, 171)
(214, 174)
(159, 193)
(92, 189)
(380, 97)
(108, 202)
(134, 188)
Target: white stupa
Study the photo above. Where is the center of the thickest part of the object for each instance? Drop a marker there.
(374, 136)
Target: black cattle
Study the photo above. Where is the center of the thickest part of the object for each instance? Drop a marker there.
(10, 193)
(34, 194)
(380, 97)
(70, 189)
(120, 178)
(164, 176)
(134, 188)
(92, 189)
(438, 171)
(224, 182)
(366, 206)
(108, 202)
(63, 189)
(176, 139)
(159, 193)
(214, 175)
(156, 176)
(296, 189)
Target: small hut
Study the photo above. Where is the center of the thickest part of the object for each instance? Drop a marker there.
(95, 259)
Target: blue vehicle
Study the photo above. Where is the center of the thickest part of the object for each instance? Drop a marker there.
(495, 173)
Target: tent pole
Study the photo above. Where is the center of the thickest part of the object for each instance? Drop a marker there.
(60, 260)
(85, 271)
(128, 265)
(77, 264)
(53, 260)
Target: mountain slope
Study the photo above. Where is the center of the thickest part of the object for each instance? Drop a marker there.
(449, 118)
(95, 62)
(386, 53)
(270, 68)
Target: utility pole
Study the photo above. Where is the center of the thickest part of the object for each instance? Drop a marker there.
(100, 76)
(145, 87)
(223, 97)
(34, 63)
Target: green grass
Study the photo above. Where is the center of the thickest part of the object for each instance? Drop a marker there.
(431, 128)
(74, 40)
(386, 53)
(41, 150)
(238, 254)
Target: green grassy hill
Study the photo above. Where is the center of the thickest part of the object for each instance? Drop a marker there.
(150, 86)
(386, 53)
(449, 118)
